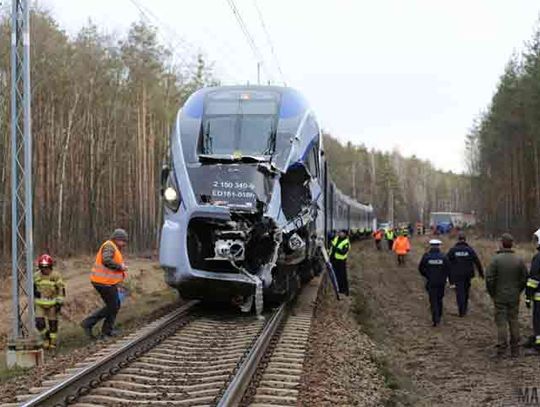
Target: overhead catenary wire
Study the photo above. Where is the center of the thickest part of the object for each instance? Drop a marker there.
(176, 40)
(251, 42)
(269, 40)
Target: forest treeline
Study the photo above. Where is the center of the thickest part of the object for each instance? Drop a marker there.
(102, 110)
(413, 187)
(503, 149)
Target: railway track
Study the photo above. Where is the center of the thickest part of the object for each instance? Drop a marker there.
(189, 358)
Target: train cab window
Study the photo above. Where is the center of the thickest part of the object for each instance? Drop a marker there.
(312, 162)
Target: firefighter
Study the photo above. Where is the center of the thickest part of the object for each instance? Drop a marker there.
(506, 278)
(434, 267)
(532, 292)
(108, 273)
(49, 294)
(378, 235)
(401, 247)
(389, 236)
(338, 256)
(463, 260)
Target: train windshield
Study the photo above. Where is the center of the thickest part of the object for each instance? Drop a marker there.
(238, 125)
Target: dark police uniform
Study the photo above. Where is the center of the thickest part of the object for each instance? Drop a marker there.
(338, 257)
(435, 267)
(463, 259)
(532, 292)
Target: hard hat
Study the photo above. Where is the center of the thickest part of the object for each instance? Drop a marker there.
(435, 242)
(45, 261)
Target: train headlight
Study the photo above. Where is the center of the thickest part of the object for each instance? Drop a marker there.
(170, 197)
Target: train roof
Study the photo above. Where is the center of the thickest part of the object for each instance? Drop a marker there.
(351, 201)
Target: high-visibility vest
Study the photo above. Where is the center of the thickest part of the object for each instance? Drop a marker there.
(378, 235)
(389, 235)
(401, 245)
(103, 275)
(340, 246)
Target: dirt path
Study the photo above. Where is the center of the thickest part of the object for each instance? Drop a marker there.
(451, 365)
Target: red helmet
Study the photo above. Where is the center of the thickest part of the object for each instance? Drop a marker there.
(45, 261)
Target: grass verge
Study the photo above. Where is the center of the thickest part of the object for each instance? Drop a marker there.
(71, 336)
(362, 307)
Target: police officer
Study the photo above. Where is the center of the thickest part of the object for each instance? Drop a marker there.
(338, 257)
(463, 259)
(435, 268)
(506, 278)
(532, 292)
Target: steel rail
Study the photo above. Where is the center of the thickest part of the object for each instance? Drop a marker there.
(233, 394)
(90, 377)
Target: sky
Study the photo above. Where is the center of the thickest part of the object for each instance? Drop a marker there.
(410, 75)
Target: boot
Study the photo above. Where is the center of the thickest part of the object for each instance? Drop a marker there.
(87, 331)
(501, 350)
(514, 352)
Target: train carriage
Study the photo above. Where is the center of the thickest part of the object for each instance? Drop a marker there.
(247, 196)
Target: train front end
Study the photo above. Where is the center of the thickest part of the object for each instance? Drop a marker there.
(225, 230)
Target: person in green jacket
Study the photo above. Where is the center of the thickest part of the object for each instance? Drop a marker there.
(506, 278)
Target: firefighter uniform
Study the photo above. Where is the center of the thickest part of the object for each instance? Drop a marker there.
(435, 268)
(49, 294)
(108, 272)
(532, 292)
(338, 257)
(463, 260)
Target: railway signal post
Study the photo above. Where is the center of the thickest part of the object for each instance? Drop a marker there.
(23, 347)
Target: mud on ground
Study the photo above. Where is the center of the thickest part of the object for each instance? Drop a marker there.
(453, 364)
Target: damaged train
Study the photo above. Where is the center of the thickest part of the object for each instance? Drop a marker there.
(247, 196)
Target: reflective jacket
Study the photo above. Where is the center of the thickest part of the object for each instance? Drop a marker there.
(401, 245)
(532, 290)
(506, 276)
(463, 259)
(103, 274)
(340, 248)
(378, 235)
(435, 267)
(49, 290)
(389, 235)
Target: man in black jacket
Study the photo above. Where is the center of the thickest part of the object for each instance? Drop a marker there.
(435, 268)
(532, 293)
(463, 259)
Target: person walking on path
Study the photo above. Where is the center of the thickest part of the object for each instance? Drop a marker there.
(401, 247)
(506, 278)
(434, 267)
(463, 259)
(108, 273)
(378, 235)
(389, 236)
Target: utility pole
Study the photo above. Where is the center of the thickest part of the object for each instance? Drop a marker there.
(259, 72)
(353, 169)
(23, 349)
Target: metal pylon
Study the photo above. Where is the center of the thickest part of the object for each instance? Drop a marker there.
(21, 174)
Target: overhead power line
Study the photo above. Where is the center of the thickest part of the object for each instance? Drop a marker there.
(269, 39)
(251, 42)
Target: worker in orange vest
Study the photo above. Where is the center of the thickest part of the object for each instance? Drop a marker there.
(108, 273)
(401, 247)
(378, 235)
